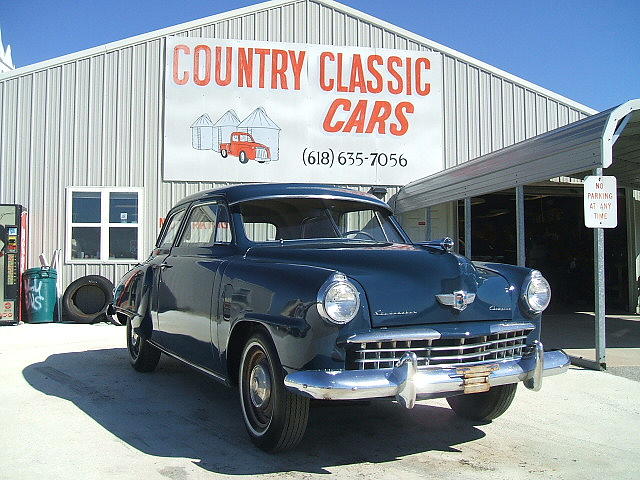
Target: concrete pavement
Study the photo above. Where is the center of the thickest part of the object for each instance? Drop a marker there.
(71, 407)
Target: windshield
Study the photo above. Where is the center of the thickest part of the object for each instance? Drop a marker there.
(273, 220)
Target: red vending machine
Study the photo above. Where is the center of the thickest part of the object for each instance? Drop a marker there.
(13, 256)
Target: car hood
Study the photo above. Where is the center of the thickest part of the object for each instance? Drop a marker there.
(401, 281)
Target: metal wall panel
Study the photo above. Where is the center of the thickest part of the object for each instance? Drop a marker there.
(97, 119)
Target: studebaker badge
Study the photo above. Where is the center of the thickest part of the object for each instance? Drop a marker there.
(459, 300)
(296, 292)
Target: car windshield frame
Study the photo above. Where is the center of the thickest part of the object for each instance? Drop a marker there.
(328, 215)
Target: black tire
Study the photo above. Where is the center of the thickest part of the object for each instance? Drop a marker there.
(242, 156)
(275, 418)
(224, 153)
(144, 357)
(86, 300)
(484, 406)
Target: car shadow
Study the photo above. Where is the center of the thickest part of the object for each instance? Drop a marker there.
(178, 412)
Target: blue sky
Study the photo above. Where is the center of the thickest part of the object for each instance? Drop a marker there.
(587, 50)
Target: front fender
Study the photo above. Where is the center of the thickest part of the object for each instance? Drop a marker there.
(516, 277)
(282, 298)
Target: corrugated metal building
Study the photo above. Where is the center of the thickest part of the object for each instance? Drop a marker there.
(95, 118)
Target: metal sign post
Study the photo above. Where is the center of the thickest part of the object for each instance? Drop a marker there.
(600, 212)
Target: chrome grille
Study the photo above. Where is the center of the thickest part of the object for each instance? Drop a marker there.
(439, 352)
(261, 153)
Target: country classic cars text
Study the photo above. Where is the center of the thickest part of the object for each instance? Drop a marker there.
(344, 75)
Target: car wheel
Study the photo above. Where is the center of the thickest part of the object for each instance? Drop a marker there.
(484, 406)
(224, 153)
(274, 417)
(144, 356)
(243, 157)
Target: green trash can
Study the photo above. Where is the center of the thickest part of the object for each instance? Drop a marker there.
(41, 294)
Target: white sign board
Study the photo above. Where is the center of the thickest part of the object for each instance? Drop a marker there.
(600, 202)
(245, 111)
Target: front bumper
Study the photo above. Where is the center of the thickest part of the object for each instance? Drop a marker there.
(407, 383)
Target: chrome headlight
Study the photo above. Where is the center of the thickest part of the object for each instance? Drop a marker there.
(536, 292)
(338, 300)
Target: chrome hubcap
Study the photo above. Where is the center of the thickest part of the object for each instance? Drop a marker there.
(259, 386)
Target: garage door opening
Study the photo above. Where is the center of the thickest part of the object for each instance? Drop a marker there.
(557, 243)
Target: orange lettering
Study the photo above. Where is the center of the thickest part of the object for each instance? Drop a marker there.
(390, 66)
(341, 88)
(176, 64)
(420, 90)
(357, 75)
(357, 118)
(279, 64)
(340, 102)
(296, 65)
(373, 71)
(227, 80)
(379, 116)
(400, 115)
(245, 67)
(201, 81)
(262, 53)
(326, 86)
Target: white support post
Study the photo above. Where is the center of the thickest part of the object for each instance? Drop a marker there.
(520, 227)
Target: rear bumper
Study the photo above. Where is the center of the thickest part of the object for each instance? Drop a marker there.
(407, 383)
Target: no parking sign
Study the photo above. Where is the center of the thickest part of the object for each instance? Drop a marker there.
(600, 202)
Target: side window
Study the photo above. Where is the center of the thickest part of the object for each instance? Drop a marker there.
(201, 226)
(171, 229)
(207, 224)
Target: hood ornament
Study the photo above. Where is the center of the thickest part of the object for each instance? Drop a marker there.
(459, 300)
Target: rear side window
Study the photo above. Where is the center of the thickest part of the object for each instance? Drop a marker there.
(171, 229)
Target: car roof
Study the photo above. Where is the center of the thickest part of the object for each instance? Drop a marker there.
(254, 191)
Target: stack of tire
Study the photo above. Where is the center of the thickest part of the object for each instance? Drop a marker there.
(86, 300)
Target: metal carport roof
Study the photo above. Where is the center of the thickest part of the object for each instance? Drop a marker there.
(609, 140)
(607, 143)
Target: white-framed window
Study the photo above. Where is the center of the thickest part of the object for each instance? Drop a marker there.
(104, 224)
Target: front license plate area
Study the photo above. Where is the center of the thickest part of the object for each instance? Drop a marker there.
(475, 379)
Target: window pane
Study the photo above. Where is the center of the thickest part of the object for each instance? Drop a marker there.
(123, 207)
(123, 242)
(260, 232)
(223, 230)
(201, 226)
(85, 207)
(172, 229)
(85, 242)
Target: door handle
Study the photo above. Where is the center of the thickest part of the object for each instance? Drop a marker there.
(162, 266)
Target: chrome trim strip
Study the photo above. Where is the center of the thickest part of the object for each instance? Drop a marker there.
(431, 383)
(435, 332)
(401, 334)
(216, 376)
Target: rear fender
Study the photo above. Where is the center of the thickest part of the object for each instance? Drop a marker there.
(133, 299)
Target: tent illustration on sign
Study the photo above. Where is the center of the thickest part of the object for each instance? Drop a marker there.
(257, 137)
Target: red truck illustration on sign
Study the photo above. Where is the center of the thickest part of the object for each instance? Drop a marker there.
(243, 146)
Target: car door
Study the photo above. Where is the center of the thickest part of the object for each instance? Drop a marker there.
(190, 280)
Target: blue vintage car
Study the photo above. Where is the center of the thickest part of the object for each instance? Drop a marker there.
(298, 292)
